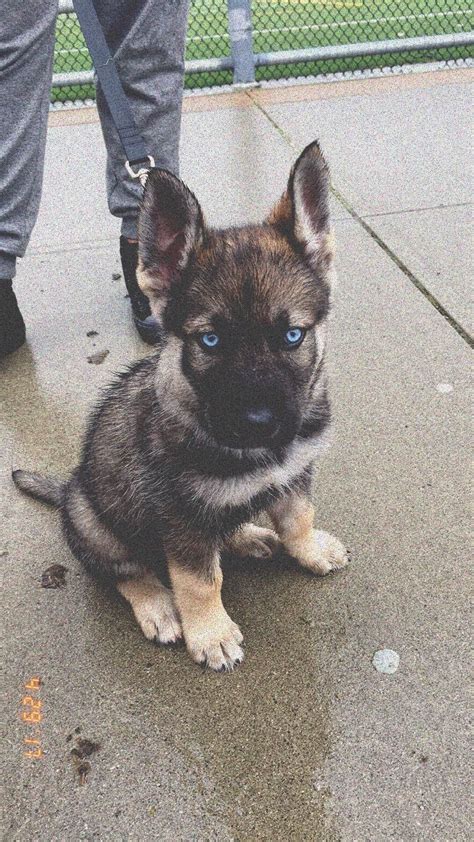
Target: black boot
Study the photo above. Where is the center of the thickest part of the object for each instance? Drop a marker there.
(12, 326)
(145, 323)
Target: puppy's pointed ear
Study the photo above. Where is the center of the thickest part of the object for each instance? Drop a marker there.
(302, 213)
(170, 227)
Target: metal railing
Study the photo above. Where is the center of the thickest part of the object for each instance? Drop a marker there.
(314, 30)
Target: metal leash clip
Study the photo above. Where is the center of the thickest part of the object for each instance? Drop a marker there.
(142, 173)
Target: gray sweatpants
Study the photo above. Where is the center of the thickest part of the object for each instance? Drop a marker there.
(147, 40)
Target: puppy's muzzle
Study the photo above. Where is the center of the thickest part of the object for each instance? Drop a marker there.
(253, 414)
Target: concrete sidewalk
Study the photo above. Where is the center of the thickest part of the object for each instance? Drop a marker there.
(305, 741)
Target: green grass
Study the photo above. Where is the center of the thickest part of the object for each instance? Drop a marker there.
(293, 24)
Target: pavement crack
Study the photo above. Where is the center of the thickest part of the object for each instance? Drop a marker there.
(418, 210)
(286, 137)
(420, 286)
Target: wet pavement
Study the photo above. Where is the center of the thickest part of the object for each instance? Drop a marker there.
(306, 740)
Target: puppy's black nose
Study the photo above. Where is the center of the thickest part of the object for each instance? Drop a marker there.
(257, 426)
(261, 417)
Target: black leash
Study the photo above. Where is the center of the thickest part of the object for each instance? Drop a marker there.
(130, 138)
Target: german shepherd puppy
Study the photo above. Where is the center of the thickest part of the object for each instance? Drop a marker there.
(223, 422)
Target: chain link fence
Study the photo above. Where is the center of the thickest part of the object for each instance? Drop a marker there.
(286, 24)
(242, 41)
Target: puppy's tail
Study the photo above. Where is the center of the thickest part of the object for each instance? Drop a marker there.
(46, 489)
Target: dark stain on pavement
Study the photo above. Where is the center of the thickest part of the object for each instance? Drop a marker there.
(84, 748)
(54, 576)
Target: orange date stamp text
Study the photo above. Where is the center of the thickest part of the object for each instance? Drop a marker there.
(32, 717)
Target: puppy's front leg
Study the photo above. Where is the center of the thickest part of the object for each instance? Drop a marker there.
(320, 552)
(212, 638)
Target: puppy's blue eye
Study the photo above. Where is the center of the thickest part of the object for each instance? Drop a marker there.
(294, 336)
(209, 340)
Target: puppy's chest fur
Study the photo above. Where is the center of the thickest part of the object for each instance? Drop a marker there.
(240, 482)
(143, 468)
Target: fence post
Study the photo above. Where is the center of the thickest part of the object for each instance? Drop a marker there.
(240, 31)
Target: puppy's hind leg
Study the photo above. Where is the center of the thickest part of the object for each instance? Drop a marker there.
(153, 607)
(252, 541)
(93, 543)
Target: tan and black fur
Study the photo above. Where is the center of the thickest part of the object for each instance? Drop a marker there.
(190, 444)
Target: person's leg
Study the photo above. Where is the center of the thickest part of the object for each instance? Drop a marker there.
(26, 59)
(147, 40)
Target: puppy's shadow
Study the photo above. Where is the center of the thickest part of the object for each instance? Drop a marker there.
(267, 722)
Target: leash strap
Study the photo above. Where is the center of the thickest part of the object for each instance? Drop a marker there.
(130, 138)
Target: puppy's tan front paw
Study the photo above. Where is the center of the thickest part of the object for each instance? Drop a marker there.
(153, 606)
(217, 644)
(254, 542)
(322, 553)
(158, 618)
